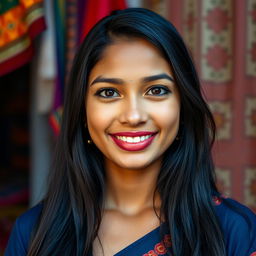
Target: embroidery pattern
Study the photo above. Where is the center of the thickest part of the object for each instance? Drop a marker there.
(216, 41)
(160, 248)
(217, 200)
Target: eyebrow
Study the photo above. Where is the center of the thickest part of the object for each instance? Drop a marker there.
(157, 77)
(119, 81)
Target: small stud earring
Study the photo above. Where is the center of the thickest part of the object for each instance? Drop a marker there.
(88, 141)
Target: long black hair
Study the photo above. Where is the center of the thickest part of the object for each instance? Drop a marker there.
(73, 205)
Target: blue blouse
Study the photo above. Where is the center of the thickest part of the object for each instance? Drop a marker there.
(239, 236)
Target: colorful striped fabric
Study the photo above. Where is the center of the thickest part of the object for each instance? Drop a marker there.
(20, 22)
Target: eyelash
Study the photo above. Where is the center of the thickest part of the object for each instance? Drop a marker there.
(166, 91)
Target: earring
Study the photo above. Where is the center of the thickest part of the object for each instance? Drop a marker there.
(88, 141)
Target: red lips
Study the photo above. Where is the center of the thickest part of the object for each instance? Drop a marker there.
(133, 146)
(133, 134)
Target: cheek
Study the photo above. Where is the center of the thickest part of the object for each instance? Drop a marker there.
(98, 116)
(167, 116)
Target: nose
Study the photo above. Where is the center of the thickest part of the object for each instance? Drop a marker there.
(133, 112)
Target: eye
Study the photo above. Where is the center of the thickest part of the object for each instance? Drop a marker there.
(107, 93)
(158, 91)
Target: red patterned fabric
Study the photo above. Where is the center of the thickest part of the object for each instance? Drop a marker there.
(97, 9)
(20, 22)
(222, 39)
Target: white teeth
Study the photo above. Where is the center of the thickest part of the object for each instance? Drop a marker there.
(136, 139)
(133, 139)
(129, 139)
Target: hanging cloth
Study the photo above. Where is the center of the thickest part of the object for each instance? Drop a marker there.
(96, 10)
(20, 22)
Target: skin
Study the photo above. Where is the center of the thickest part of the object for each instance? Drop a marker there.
(131, 105)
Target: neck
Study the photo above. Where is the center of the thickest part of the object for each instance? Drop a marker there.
(131, 191)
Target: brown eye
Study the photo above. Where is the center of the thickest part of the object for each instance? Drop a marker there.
(107, 93)
(158, 91)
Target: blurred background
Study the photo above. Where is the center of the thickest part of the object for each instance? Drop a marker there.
(38, 40)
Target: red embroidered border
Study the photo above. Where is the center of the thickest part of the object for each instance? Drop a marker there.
(160, 248)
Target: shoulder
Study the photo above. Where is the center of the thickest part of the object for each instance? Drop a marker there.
(28, 219)
(233, 213)
(238, 223)
(20, 236)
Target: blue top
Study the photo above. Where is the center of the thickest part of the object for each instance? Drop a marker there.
(239, 236)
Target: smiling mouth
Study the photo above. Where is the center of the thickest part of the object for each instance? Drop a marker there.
(133, 141)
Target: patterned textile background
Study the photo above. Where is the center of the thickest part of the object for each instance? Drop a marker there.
(221, 35)
(20, 22)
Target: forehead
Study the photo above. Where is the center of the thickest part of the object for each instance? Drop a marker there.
(135, 57)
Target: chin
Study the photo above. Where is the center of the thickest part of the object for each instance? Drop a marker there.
(135, 164)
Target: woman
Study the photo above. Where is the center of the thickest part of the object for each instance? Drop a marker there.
(133, 173)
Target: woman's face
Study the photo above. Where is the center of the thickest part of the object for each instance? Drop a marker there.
(132, 104)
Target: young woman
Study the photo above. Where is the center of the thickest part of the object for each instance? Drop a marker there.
(133, 173)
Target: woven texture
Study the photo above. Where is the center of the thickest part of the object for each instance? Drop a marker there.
(221, 36)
